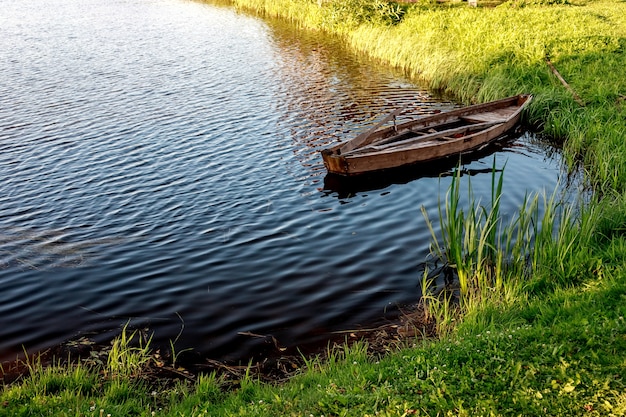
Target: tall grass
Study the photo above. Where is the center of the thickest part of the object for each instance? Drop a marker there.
(543, 246)
(484, 53)
(129, 354)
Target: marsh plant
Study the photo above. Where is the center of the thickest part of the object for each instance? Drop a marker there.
(491, 261)
(129, 353)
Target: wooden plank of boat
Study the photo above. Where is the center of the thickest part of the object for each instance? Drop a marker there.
(420, 152)
(361, 140)
(392, 142)
(425, 139)
(467, 114)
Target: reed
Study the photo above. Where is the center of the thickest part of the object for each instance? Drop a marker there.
(129, 354)
(469, 243)
(545, 245)
(439, 306)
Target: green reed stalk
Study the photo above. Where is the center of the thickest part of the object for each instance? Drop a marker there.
(470, 238)
(438, 307)
(492, 262)
(126, 359)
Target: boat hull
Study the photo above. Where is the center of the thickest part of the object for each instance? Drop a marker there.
(389, 148)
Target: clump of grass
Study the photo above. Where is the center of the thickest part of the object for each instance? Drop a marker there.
(545, 245)
(128, 356)
(439, 306)
(470, 243)
(72, 388)
(352, 13)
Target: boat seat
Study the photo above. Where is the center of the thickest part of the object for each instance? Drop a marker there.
(481, 118)
(493, 116)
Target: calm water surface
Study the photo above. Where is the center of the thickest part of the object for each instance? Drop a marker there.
(159, 163)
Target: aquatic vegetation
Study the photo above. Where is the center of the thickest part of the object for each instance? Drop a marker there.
(545, 245)
(129, 353)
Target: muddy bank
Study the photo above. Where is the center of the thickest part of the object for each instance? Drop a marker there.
(273, 364)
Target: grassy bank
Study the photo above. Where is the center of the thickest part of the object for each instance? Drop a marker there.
(543, 329)
(484, 53)
(562, 354)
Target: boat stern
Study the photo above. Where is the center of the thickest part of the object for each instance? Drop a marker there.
(334, 162)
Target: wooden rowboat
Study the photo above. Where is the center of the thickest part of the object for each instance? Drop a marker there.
(426, 138)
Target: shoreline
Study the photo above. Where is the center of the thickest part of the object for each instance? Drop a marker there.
(551, 338)
(274, 365)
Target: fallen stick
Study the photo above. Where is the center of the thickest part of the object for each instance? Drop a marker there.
(570, 89)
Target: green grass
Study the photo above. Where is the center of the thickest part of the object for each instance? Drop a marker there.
(561, 354)
(484, 53)
(125, 359)
(542, 326)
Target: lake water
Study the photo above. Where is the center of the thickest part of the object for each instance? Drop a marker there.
(159, 163)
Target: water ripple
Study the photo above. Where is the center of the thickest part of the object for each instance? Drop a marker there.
(160, 159)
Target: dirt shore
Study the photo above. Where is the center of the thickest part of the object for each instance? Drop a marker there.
(276, 365)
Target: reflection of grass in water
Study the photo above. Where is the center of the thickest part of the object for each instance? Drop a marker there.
(47, 248)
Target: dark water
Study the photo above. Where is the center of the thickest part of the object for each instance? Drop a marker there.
(159, 163)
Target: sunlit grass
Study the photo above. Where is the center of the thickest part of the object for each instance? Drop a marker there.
(484, 53)
(74, 389)
(542, 296)
(544, 246)
(129, 354)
